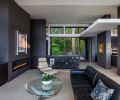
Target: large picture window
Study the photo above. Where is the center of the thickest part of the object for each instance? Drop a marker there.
(65, 45)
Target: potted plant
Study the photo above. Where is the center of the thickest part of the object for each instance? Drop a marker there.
(46, 81)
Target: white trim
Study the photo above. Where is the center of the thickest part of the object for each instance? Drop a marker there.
(17, 43)
(48, 29)
(26, 44)
(99, 26)
(63, 35)
(73, 41)
(64, 29)
(68, 2)
(68, 25)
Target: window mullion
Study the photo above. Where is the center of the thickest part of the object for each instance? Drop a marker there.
(73, 41)
(64, 29)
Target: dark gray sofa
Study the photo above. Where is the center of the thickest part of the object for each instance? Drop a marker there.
(84, 80)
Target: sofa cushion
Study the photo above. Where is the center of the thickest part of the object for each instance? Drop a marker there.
(90, 74)
(111, 84)
(79, 80)
(101, 92)
(82, 92)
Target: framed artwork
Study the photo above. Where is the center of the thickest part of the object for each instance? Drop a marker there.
(101, 48)
(21, 43)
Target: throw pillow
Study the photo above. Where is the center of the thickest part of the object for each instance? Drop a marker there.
(101, 92)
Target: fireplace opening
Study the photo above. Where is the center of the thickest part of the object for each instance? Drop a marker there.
(20, 64)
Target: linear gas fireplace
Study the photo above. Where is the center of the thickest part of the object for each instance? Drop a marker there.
(20, 64)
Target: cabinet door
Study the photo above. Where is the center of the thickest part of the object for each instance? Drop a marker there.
(3, 74)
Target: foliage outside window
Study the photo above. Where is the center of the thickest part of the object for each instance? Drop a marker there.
(46, 29)
(82, 46)
(57, 46)
(56, 30)
(79, 30)
(77, 45)
(68, 30)
(61, 46)
(68, 45)
(82, 49)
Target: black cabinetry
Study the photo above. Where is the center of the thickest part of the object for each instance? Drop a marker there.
(114, 60)
(65, 62)
(3, 73)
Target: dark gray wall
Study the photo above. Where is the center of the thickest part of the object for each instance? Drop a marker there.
(94, 49)
(88, 51)
(3, 30)
(18, 20)
(118, 43)
(108, 49)
(87, 48)
(104, 59)
(38, 40)
(92, 45)
(12, 18)
(106, 16)
(101, 58)
(114, 42)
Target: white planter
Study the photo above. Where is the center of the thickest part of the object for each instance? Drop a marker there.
(47, 85)
(47, 82)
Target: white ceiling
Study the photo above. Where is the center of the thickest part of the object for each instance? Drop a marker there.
(99, 26)
(70, 2)
(69, 11)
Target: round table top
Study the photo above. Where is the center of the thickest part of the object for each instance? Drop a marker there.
(35, 87)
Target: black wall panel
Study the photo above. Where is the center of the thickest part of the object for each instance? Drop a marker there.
(104, 59)
(12, 18)
(18, 20)
(118, 43)
(38, 41)
(94, 49)
(4, 30)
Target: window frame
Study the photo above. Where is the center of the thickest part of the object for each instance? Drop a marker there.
(64, 26)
